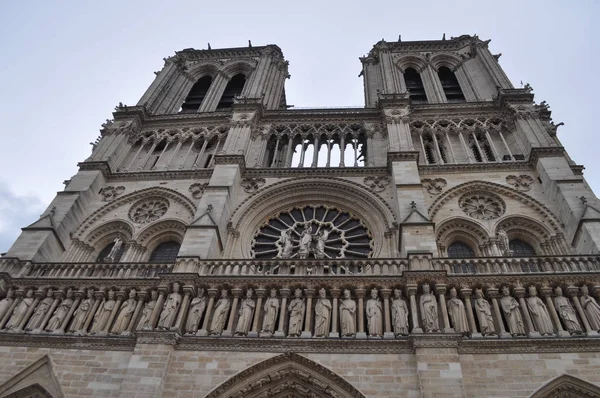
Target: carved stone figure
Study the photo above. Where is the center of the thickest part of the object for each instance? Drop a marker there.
(125, 313)
(399, 314)
(296, 310)
(41, 311)
(6, 302)
(197, 307)
(246, 313)
(321, 240)
(591, 308)
(322, 314)
(457, 313)
(144, 323)
(286, 243)
(114, 250)
(566, 312)
(271, 308)
(220, 314)
(305, 241)
(103, 313)
(60, 313)
(539, 313)
(81, 313)
(510, 307)
(348, 315)
(429, 310)
(503, 239)
(374, 315)
(484, 314)
(169, 311)
(20, 311)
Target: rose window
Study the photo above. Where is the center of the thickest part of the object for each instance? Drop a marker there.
(313, 232)
(148, 210)
(482, 205)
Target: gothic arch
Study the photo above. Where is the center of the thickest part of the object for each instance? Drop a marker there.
(376, 214)
(206, 68)
(459, 229)
(286, 374)
(159, 232)
(416, 61)
(448, 60)
(526, 229)
(567, 386)
(106, 233)
(38, 380)
(236, 66)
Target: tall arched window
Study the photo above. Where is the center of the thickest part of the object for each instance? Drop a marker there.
(520, 248)
(166, 252)
(450, 85)
(414, 84)
(196, 96)
(233, 89)
(460, 250)
(102, 257)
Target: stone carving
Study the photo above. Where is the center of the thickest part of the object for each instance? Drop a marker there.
(252, 185)
(118, 242)
(197, 307)
(374, 312)
(457, 313)
(125, 313)
(435, 186)
(377, 183)
(305, 241)
(60, 313)
(286, 244)
(148, 210)
(271, 308)
(591, 308)
(566, 312)
(296, 310)
(504, 241)
(197, 189)
(322, 314)
(82, 312)
(484, 314)
(103, 313)
(521, 182)
(169, 311)
(111, 193)
(6, 302)
(399, 314)
(20, 310)
(246, 313)
(429, 310)
(321, 239)
(510, 307)
(348, 315)
(41, 311)
(482, 205)
(539, 313)
(220, 314)
(144, 323)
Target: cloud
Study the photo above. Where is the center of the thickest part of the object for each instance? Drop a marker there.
(16, 212)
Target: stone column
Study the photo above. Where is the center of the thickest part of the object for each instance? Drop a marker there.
(387, 324)
(79, 294)
(412, 292)
(520, 293)
(212, 293)
(236, 297)
(492, 292)
(440, 289)
(260, 293)
(546, 292)
(185, 303)
(335, 294)
(162, 291)
(360, 294)
(309, 292)
(572, 292)
(285, 294)
(141, 296)
(466, 293)
(120, 297)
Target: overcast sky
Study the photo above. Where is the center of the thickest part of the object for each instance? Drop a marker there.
(66, 64)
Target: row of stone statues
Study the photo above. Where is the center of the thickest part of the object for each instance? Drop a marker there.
(385, 313)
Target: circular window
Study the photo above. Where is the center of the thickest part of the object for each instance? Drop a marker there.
(148, 210)
(313, 232)
(482, 205)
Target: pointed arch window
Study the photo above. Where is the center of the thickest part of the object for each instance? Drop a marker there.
(460, 250)
(450, 85)
(196, 96)
(165, 252)
(520, 248)
(233, 89)
(414, 84)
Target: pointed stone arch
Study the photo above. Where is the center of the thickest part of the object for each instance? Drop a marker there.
(567, 386)
(451, 61)
(38, 380)
(286, 375)
(460, 229)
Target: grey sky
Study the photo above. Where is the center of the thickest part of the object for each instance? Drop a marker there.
(65, 65)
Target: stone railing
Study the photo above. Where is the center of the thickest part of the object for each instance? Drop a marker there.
(516, 265)
(93, 270)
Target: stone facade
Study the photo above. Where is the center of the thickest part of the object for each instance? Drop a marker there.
(437, 242)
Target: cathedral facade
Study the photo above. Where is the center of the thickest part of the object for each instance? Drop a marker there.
(437, 242)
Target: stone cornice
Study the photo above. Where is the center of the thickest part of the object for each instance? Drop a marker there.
(317, 171)
(545, 152)
(402, 156)
(191, 54)
(108, 343)
(474, 167)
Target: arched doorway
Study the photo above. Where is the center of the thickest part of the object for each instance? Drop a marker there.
(567, 386)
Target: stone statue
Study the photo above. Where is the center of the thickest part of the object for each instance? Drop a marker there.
(322, 314)
(246, 313)
(539, 313)
(484, 314)
(169, 311)
(220, 316)
(114, 250)
(457, 313)
(322, 237)
(305, 241)
(197, 307)
(399, 314)
(348, 315)
(374, 313)
(271, 308)
(591, 308)
(510, 307)
(125, 313)
(144, 323)
(60, 313)
(503, 239)
(429, 310)
(286, 243)
(103, 313)
(566, 312)
(20, 310)
(6, 302)
(41, 311)
(296, 310)
(82, 312)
